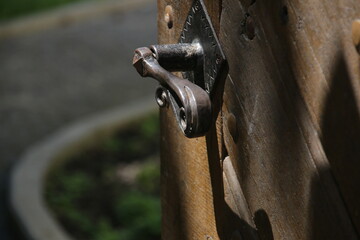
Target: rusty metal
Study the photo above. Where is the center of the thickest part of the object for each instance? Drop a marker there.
(199, 57)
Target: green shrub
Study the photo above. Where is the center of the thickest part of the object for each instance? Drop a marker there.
(92, 203)
(65, 193)
(148, 179)
(104, 231)
(140, 214)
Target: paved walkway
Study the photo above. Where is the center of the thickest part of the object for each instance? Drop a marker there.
(49, 79)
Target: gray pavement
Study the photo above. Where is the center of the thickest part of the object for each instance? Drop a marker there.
(49, 79)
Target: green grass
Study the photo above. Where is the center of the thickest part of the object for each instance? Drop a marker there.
(15, 8)
(92, 203)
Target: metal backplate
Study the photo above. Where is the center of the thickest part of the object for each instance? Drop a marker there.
(198, 28)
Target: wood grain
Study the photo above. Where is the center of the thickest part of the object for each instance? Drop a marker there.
(292, 169)
(186, 170)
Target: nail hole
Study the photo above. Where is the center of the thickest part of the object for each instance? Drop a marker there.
(250, 28)
(169, 16)
(356, 34)
(284, 15)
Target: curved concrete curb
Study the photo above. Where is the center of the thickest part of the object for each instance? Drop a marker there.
(66, 15)
(26, 196)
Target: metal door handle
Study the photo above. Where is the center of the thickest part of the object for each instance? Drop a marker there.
(199, 57)
(191, 104)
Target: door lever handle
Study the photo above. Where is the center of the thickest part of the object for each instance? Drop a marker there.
(190, 103)
(199, 57)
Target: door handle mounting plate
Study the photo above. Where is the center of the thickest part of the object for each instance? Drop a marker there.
(198, 28)
(199, 57)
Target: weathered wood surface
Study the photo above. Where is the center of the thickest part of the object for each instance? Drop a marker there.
(282, 160)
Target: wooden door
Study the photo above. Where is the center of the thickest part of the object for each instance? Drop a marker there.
(282, 159)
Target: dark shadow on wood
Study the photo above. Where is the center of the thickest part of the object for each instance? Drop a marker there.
(327, 216)
(223, 213)
(341, 138)
(309, 194)
(227, 222)
(263, 224)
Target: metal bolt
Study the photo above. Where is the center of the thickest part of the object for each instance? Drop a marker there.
(169, 16)
(232, 126)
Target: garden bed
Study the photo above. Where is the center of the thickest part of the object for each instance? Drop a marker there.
(111, 191)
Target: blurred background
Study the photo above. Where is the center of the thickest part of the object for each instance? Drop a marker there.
(63, 61)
